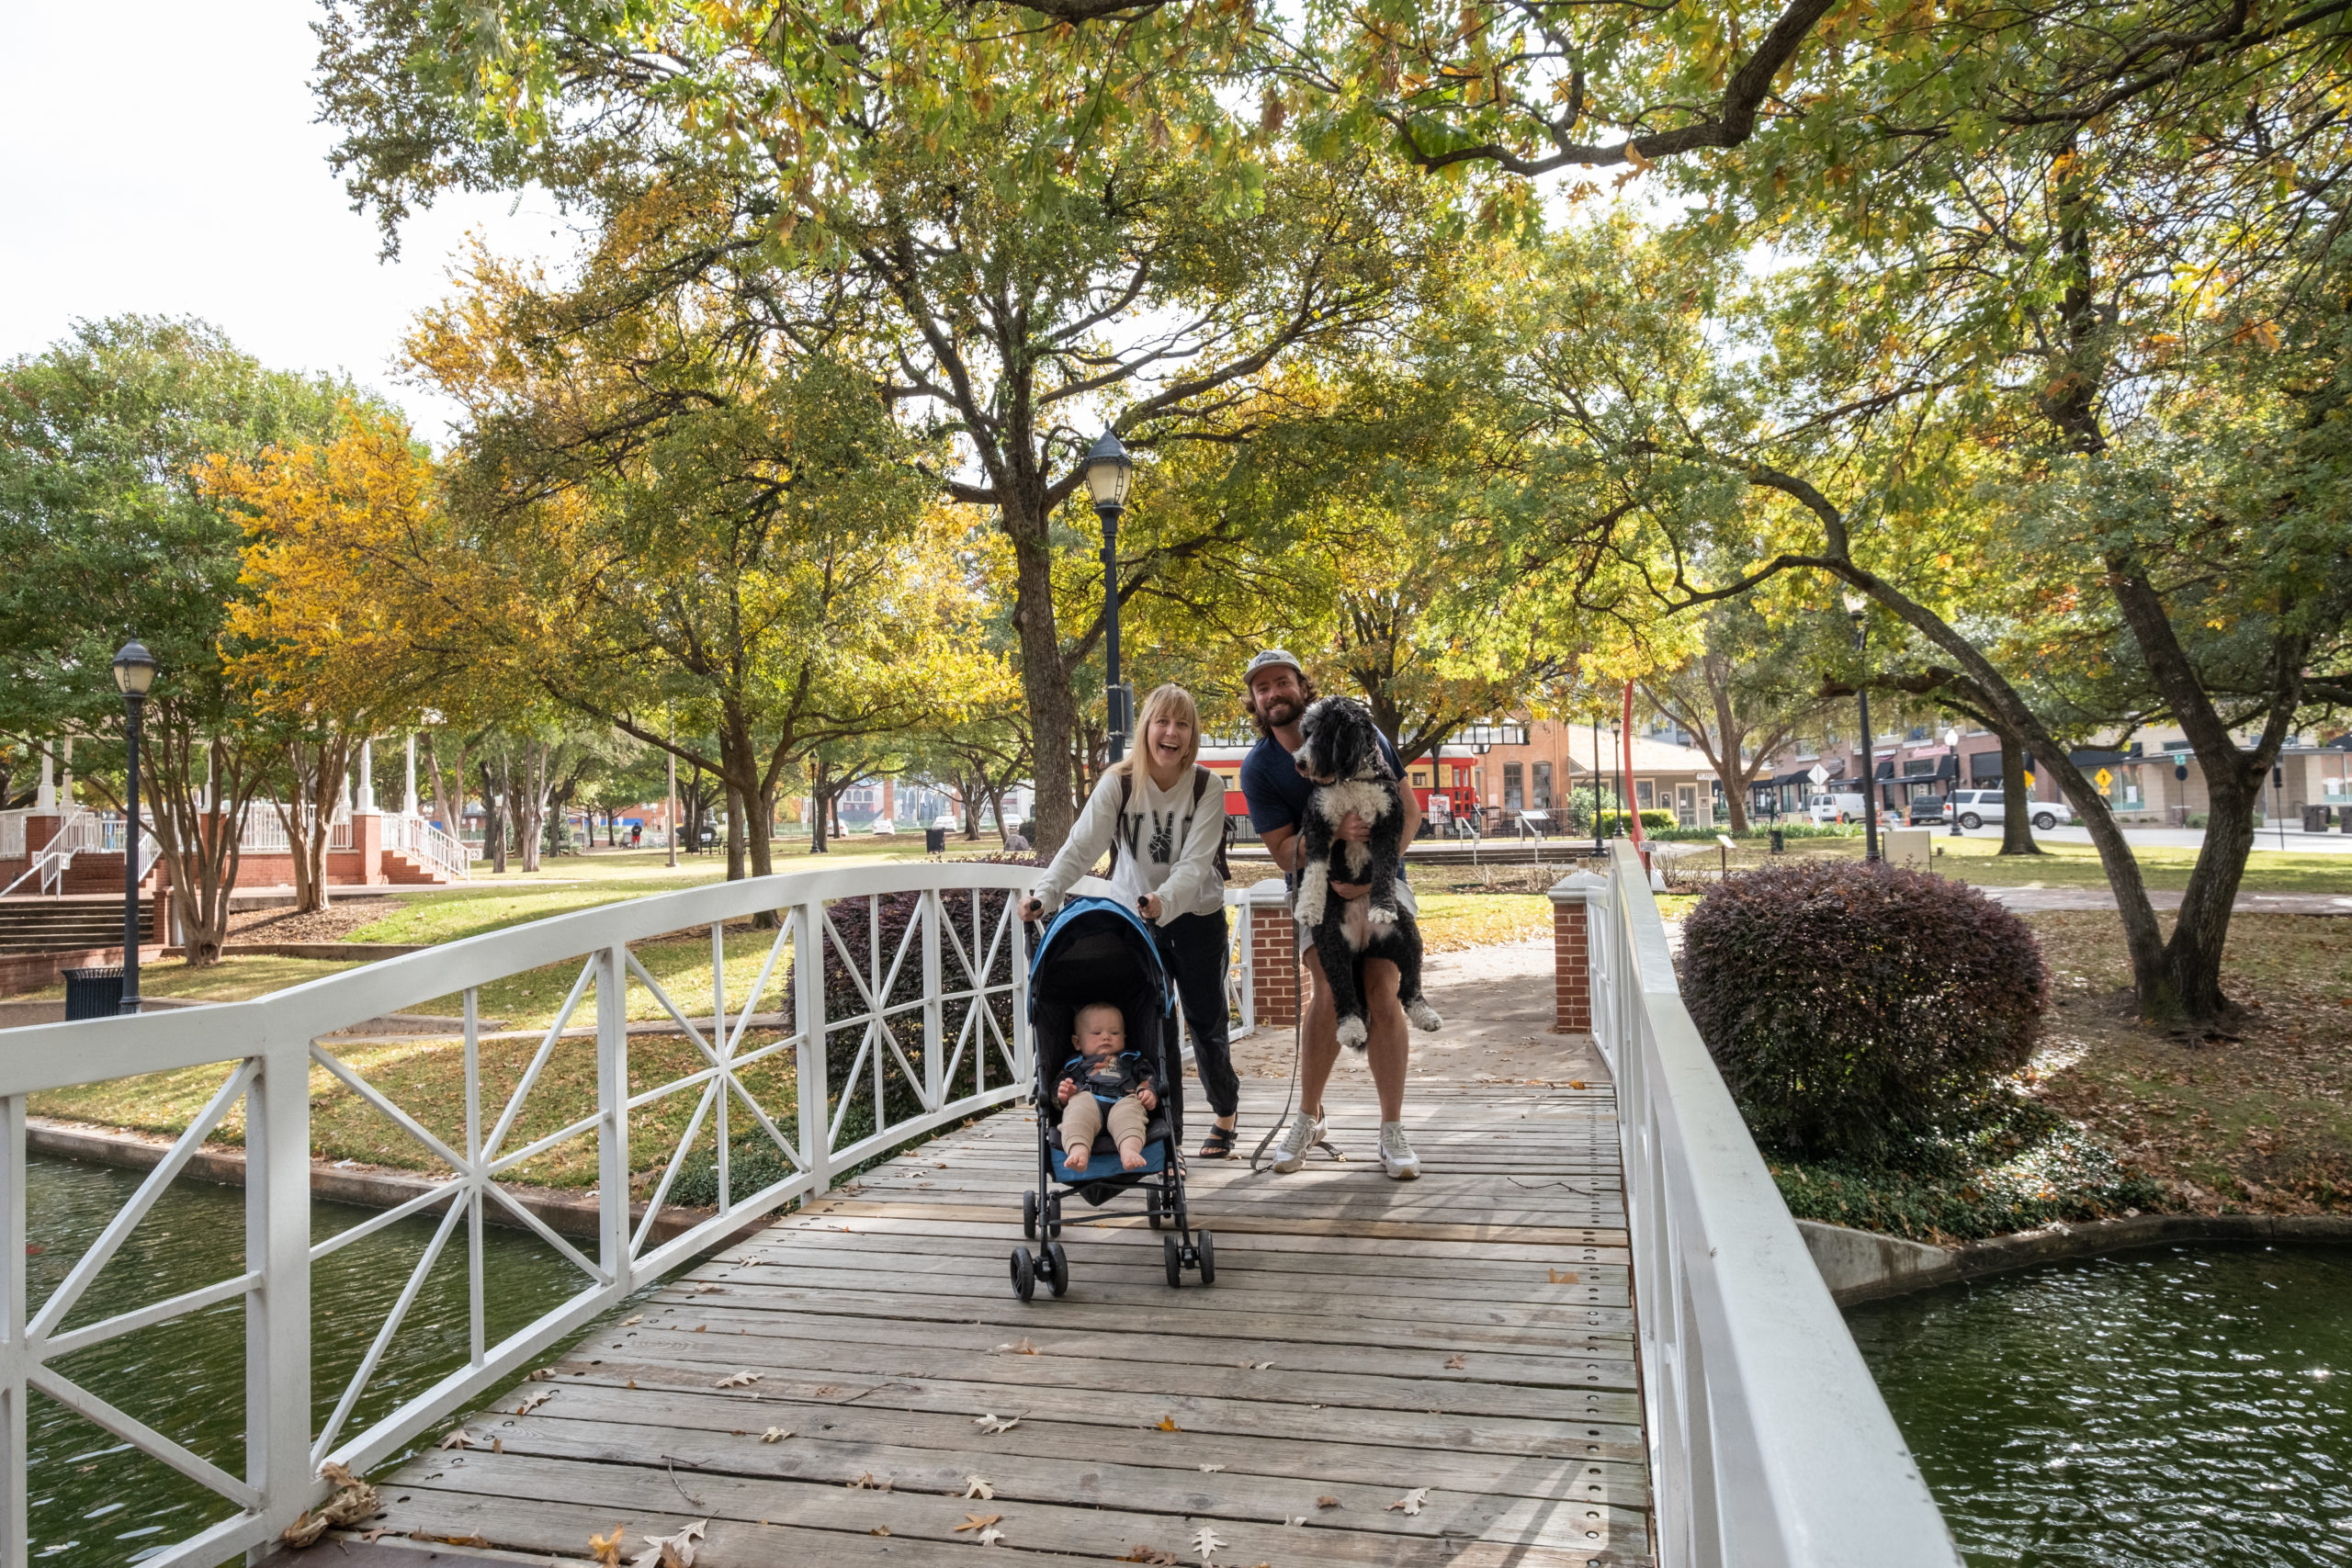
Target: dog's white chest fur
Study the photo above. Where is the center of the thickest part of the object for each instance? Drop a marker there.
(1367, 798)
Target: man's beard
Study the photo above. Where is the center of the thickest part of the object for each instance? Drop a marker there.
(1281, 712)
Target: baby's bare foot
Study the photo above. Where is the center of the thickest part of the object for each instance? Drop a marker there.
(1131, 1156)
(1074, 1161)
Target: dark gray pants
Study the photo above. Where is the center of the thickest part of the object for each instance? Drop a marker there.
(1193, 946)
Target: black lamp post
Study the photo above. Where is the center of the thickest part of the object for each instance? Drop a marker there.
(1951, 795)
(1858, 606)
(134, 671)
(1108, 470)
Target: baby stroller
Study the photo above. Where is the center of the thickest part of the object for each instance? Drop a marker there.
(1095, 950)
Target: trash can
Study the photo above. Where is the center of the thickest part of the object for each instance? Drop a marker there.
(1779, 841)
(2315, 818)
(934, 841)
(92, 993)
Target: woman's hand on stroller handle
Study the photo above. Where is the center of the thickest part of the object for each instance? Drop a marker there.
(1148, 906)
(1032, 908)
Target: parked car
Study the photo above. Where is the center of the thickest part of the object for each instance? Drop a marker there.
(1824, 808)
(1978, 807)
(1927, 809)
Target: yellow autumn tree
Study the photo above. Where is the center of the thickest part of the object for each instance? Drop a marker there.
(339, 635)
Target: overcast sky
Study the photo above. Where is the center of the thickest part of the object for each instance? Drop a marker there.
(162, 158)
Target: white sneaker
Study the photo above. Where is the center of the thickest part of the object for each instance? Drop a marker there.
(1304, 1133)
(1397, 1156)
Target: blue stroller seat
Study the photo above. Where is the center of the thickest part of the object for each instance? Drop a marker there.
(1095, 951)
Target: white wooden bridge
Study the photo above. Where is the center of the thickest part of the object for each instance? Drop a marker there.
(1589, 1336)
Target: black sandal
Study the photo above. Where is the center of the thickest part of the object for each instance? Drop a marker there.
(1219, 1142)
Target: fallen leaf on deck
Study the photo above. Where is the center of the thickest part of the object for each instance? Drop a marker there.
(1020, 1346)
(867, 1484)
(706, 1289)
(460, 1438)
(993, 1425)
(1326, 1501)
(739, 1380)
(532, 1401)
(671, 1550)
(631, 1383)
(633, 1322)
(1300, 1519)
(1411, 1502)
(1576, 1083)
(990, 1536)
(977, 1521)
(1456, 1363)
(606, 1549)
(978, 1486)
(498, 1445)
(774, 1435)
(1211, 1469)
(1167, 1424)
(541, 1375)
(1208, 1540)
(1562, 1277)
(702, 1329)
(1150, 1555)
(877, 1529)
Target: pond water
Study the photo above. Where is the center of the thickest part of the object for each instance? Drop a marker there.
(2176, 1405)
(95, 1501)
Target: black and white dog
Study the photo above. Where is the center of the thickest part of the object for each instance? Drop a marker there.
(1341, 753)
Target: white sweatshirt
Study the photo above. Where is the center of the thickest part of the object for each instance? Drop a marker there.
(1167, 845)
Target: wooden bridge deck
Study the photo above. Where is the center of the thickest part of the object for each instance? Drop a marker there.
(1468, 1336)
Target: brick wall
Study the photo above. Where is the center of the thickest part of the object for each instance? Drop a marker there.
(1571, 969)
(1276, 982)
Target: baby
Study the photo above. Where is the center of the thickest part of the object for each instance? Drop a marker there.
(1103, 1074)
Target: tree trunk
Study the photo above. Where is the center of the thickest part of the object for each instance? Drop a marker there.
(818, 801)
(734, 834)
(971, 804)
(531, 809)
(493, 817)
(2017, 800)
(1044, 677)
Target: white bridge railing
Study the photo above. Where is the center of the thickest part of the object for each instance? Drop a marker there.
(415, 836)
(1770, 1444)
(926, 1024)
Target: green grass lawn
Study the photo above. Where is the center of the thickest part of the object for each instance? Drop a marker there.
(1978, 860)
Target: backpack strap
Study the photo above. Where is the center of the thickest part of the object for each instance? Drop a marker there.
(1126, 792)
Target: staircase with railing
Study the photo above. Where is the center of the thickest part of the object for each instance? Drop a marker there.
(83, 831)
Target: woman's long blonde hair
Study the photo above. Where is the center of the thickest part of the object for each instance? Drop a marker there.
(1159, 700)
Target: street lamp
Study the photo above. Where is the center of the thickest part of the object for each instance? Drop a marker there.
(1858, 606)
(1951, 795)
(134, 671)
(1108, 472)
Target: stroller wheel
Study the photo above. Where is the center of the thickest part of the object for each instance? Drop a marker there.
(1206, 1248)
(1151, 1206)
(1029, 1215)
(1060, 1263)
(1024, 1273)
(1175, 1255)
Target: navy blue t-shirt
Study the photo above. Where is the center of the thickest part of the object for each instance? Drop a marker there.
(1277, 793)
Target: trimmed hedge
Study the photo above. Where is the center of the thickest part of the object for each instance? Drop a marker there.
(1852, 1008)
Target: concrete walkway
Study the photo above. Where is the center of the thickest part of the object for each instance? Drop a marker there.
(2035, 899)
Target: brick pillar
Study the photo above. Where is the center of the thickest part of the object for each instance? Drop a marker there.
(1275, 982)
(1573, 898)
(367, 838)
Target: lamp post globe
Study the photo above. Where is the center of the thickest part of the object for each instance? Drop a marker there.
(1109, 470)
(134, 676)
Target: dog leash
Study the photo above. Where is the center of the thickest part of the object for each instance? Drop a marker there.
(1298, 1037)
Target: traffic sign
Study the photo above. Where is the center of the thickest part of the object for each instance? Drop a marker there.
(1817, 773)
(2029, 781)
(2103, 778)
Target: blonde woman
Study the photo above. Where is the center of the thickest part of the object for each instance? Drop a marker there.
(1161, 817)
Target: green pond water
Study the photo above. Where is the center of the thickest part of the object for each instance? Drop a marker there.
(93, 1499)
(2170, 1406)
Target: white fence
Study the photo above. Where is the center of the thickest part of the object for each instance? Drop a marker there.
(420, 839)
(1770, 1444)
(931, 1018)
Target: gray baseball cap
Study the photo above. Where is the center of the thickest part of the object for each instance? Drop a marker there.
(1268, 658)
